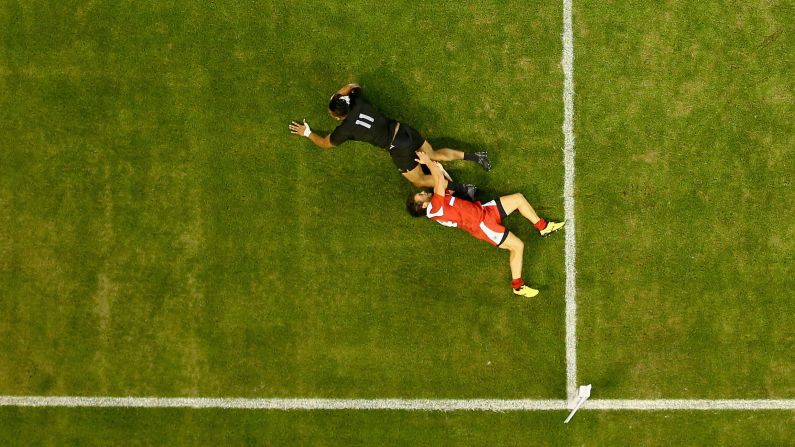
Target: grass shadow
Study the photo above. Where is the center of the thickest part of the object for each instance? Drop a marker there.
(386, 89)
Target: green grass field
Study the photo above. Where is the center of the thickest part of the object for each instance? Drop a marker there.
(685, 175)
(360, 428)
(162, 233)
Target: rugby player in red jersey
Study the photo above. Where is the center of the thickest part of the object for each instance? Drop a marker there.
(484, 221)
(361, 121)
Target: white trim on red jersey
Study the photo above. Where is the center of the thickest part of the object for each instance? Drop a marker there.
(493, 235)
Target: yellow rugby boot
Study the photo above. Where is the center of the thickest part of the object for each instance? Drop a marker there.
(552, 227)
(525, 291)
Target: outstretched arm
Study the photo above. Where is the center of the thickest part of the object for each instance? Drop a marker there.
(439, 182)
(304, 130)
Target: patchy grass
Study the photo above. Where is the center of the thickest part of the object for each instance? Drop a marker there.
(159, 214)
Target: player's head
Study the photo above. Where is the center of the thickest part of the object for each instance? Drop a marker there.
(416, 203)
(339, 106)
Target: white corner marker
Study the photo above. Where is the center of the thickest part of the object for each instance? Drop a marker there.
(583, 393)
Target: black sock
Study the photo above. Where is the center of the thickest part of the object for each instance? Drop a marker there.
(456, 187)
(470, 156)
(459, 190)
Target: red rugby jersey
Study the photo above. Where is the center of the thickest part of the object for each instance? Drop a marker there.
(454, 212)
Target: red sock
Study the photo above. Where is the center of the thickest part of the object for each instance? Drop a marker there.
(517, 283)
(541, 224)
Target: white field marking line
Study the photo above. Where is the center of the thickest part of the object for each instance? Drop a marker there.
(690, 404)
(286, 404)
(496, 405)
(568, 202)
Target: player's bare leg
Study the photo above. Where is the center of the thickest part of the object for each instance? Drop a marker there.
(445, 154)
(515, 247)
(517, 201)
(513, 202)
(448, 154)
(422, 180)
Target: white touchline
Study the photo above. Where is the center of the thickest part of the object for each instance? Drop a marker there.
(286, 404)
(568, 203)
(391, 404)
(692, 404)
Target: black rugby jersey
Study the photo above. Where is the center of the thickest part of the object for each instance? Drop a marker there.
(364, 123)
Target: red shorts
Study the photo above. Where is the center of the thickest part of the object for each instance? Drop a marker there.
(491, 229)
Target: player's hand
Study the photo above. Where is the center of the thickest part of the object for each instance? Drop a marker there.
(423, 158)
(300, 129)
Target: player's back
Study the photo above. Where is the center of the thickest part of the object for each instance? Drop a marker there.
(364, 123)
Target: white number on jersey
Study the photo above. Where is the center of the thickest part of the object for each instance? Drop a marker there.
(363, 120)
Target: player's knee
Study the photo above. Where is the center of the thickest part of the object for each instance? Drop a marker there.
(513, 244)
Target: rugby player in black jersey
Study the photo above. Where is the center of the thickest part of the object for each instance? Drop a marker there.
(363, 122)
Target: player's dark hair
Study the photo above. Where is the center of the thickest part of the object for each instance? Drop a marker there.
(338, 106)
(413, 207)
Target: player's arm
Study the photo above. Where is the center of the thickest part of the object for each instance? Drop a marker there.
(439, 182)
(304, 130)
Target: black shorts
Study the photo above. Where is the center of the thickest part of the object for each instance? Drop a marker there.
(403, 148)
(503, 215)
